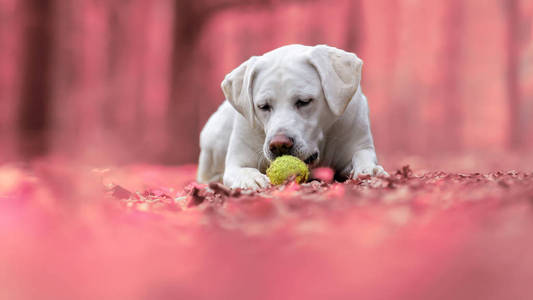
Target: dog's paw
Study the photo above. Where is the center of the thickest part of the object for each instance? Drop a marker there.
(246, 178)
(368, 170)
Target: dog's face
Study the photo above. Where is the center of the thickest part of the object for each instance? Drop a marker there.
(290, 106)
(294, 93)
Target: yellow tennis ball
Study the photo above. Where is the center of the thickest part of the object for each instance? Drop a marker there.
(283, 167)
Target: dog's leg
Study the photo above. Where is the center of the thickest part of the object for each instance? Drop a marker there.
(209, 169)
(243, 157)
(246, 178)
(364, 162)
(203, 167)
(214, 140)
(360, 142)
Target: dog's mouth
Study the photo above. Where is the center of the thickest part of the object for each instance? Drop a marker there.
(311, 159)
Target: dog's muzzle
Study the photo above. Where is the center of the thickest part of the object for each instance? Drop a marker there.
(311, 158)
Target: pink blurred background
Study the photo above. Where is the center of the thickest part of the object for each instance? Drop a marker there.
(134, 81)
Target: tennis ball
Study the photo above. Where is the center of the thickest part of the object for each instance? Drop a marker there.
(283, 167)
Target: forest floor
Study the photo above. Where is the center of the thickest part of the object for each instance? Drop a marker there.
(149, 232)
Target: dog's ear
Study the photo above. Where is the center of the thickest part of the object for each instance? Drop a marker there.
(237, 87)
(340, 74)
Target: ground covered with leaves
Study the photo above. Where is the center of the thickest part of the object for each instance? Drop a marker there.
(149, 232)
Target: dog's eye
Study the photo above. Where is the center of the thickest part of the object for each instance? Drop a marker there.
(264, 107)
(302, 103)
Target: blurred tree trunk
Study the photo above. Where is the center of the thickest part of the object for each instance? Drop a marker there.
(513, 84)
(395, 114)
(354, 22)
(451, 94)
(10, 57)
(190, 18)
(34, 119)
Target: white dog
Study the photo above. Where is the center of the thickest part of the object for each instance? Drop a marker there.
(298, 100)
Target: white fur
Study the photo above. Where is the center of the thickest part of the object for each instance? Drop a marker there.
(235, 141)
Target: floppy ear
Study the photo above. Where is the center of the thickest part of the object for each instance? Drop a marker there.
(340, 74)
(237, 87)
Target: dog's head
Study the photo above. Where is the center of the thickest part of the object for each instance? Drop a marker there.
(294, 93)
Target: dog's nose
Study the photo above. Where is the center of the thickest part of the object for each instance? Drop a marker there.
(281, 144)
